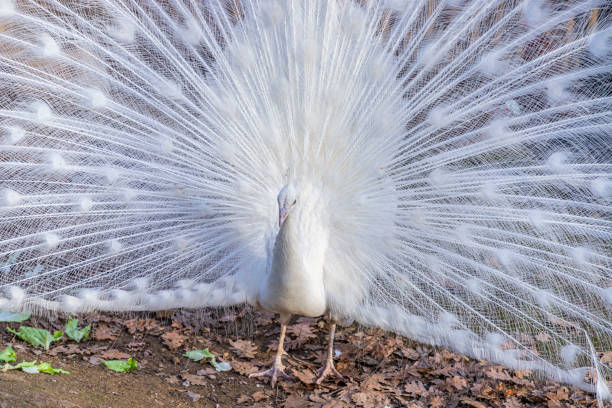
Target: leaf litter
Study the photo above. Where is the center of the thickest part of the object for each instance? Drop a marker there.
(176, 347)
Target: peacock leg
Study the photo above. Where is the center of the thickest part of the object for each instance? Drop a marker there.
(277, 369)
(329, 368)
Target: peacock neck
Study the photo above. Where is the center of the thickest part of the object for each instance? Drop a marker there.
(294, 283)
(286, 249)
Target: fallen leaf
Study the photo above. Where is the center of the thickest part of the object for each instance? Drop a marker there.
(373, 383)
(410, 353)
(474, 403)
(104, 332)
(416, 388)
(207, 371)
(243, 368)
(141, 325)
(301, 333)
(114, 355)
(72, 330)
(197, 355)
(383, 349)
(243, 399)
(173, 339)
(14, 317)
(296, 401)
(94, 360)
(66, 349)
(498, 373)
(173, 379)
(121, 366)
(259, 396)
(245, 348)
(458, 382)
(193, 396)
(8, 355)
(513, 402)
(36, 337)
(305, 376)
(369, 399)
(336, 404)
(436, 402)
(195, 379)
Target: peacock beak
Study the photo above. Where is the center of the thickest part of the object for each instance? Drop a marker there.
(282, 215)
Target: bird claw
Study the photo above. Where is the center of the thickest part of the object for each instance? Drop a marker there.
(328, 370)
(274, 372)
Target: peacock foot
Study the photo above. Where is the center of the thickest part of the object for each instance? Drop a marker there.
(328, 370)
(276, 371)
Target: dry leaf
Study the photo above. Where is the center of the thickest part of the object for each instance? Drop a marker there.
(103, 332)
(373, 383)
(305, 376)
(173, 339)
(369, 399)
(141, 325)
(474, 403)
(259, 396)
(207, 371)
(302, 332)
(193, 396)
(410, 353)
(383, 349)
(513, 402)
(296, 401)
(114, 355)
(68, 349)
(243, 368)
(195, 379)
(436, 402)
(498, 373)
(416, 387)
(243, 399)
(173, 379)
(458, 382)
(245, 348)
(336, 404)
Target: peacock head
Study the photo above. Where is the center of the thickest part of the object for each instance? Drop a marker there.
(287, 199)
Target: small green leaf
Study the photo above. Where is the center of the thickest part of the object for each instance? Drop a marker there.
(74, 332)
(14, 317)
(46, 368)
(25, 364)
(36, 337)
(31, 367)
(20, 366)
(8, 355)
(197, 355)
(121, 366)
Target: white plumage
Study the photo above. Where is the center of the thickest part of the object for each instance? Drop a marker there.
(450, 163)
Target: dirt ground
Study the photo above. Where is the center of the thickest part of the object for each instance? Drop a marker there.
(380, 369)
